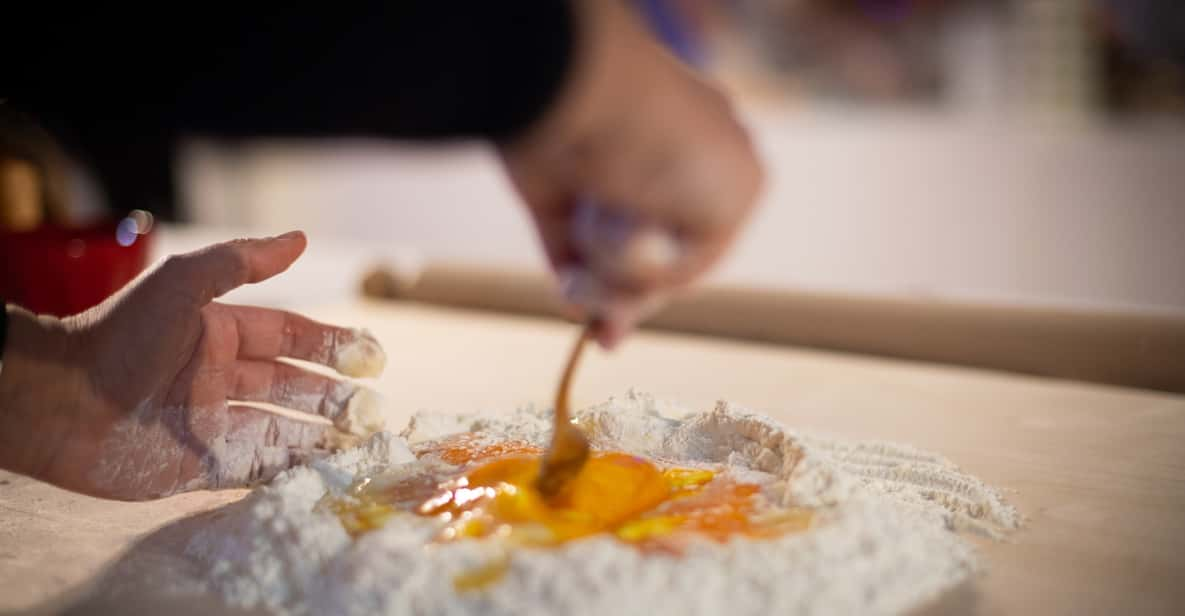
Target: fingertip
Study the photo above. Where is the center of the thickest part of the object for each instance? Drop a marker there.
(273, 255)
(609, 333)
(608, 341)
(296, 241)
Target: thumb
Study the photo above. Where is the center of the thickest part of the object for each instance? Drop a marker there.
(216, 270)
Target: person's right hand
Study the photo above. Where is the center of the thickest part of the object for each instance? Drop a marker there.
(640, 176)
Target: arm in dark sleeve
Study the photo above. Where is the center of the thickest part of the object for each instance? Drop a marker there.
(119, 88)
(399, 69)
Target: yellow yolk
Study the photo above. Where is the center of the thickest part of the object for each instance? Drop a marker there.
(500, 497)
(616, 493)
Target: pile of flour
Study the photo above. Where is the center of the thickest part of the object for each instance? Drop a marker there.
(883, 540)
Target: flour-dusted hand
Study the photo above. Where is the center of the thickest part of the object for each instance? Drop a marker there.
(134, 399)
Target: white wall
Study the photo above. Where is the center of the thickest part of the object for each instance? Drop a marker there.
(870, 203)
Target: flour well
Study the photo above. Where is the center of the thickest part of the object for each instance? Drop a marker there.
(884, 538)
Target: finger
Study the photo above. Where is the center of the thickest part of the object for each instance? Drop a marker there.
(256, 427)
(627, 251)
(215, 270)
(615, 311)
(267, 334)
(259, 445)
(657, 258)
(622, 316)
(553, 226)
(352, 408)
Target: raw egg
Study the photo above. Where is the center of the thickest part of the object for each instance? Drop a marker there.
(654, 507)
(625, 495)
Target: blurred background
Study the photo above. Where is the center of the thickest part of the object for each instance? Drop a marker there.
(1005, 151)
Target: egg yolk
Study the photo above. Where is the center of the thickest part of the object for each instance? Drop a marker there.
(633, 499)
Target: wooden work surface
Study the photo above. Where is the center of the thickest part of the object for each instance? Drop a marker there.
(1099, 471)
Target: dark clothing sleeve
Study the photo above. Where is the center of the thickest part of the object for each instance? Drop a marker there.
(120, 86)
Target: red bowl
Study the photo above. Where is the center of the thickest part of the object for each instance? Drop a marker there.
(63, 271)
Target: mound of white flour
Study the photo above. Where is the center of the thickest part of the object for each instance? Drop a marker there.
(883, 539)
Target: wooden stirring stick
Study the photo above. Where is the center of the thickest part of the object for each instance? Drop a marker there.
(569, 447)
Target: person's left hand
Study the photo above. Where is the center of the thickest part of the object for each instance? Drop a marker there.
(146, 384)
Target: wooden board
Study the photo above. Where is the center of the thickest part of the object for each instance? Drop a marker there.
(1099, 471)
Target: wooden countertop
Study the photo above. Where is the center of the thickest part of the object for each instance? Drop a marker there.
(1099, 471)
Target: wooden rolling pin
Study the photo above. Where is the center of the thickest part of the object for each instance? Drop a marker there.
(1131, 349)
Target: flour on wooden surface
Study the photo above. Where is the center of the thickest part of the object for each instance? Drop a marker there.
(883, 542)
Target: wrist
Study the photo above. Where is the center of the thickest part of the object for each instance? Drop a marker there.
(38, 392)
(612, 57)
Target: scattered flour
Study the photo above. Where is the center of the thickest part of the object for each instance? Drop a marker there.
(882, 541)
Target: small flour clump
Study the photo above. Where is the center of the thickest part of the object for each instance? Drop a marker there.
(883, 540)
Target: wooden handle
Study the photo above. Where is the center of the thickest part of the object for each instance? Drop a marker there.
(1132, 349)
